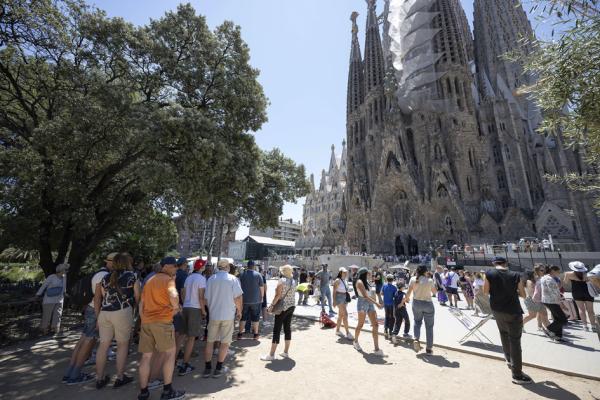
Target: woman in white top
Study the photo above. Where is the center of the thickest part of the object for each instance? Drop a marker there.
(535, 309)
(423, 288)
(340, 300)
(365, 305)
(53, 289)
(551, 298)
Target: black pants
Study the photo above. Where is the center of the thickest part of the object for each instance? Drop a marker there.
(283, 320)
(389, 319)
(511, 329)
(206, 326)
(400, 315)
(559, 319)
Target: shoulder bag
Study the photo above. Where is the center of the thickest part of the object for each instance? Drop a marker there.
(348, 298)
(277, 308)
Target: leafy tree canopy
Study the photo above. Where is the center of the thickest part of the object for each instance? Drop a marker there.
(102, 121)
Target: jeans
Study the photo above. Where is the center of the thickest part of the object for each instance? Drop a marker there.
(302, 297)
(400, 314)
(510, 327)
(389, 319)
(423, 309)
(559, 319)
(326, 293)
(283, 320)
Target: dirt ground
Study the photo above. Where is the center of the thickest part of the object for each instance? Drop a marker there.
(322, 366)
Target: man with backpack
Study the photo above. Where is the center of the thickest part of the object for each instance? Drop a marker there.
(451, 285)
(84, 294)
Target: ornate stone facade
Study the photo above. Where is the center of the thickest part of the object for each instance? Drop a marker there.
(441, 148)
(322, 226)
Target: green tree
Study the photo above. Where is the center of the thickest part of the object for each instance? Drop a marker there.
(101, 121)
(568, 85)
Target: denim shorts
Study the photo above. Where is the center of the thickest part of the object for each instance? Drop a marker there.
(89, 323)
(340, 298)
(364, 305)
(251, 312)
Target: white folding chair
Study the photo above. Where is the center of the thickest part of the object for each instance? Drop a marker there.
(472, 327)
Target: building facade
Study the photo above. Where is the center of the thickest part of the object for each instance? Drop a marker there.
(286, 229)
(200, 236)
(322, 222)
(441, 146)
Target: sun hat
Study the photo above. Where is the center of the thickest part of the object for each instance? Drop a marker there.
(577, 266)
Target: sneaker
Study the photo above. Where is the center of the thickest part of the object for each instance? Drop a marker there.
(340, 334)
(429, 351)
(357, 346)
(186, 369)
(155, 384)
(220, 372)
(207, 373)
(560, 339)
(387, 335)
(240, 336)
(90, 361)
(417, 346)
(548, 333)
(522, 380)
(82, 378)
(407, 336)
(64, 379)
(349, 336)
(144, 396)
(284, 355)
(102, 382)
(379, 353)
(394, 339)
(267, 357)
(172, 395)
(123, 381)
(256, 336)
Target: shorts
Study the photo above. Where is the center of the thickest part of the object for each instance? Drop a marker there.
(340, 298)
(156, 336)
(251, 312)
(178, 322)
(532, 306)
(378, 288)
(191, 321)
(115, 324)
(220, 331)
(364, 305)
(451, 290)
(89, 323)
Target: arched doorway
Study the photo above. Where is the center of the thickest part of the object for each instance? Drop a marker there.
(399, 246)
(413, 246)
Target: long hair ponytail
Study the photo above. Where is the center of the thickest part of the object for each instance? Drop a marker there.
(120, 263)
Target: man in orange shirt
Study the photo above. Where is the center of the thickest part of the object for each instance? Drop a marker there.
(159, 303)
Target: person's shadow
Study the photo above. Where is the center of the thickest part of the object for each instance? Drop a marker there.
(281, 365)
(438, 360)
(550, 390)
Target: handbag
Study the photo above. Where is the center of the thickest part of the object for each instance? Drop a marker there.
(348, 298)
(277, 308)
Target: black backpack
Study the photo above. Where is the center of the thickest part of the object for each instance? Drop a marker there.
(81, 293)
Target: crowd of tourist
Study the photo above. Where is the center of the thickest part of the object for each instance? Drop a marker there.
(167, 308)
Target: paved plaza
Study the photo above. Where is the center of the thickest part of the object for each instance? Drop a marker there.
(325, 366)
(581, 356)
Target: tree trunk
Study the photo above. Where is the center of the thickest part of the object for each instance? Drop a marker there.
(45, 248)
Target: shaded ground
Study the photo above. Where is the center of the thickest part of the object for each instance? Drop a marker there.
(322, 366)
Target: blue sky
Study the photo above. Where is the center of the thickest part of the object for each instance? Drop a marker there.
(302, 50)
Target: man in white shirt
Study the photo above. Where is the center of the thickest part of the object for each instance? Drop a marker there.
(193, 310)
(451, 284)
(73, 374)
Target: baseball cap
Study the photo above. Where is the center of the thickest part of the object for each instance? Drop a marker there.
(498, 260)
(199, 264)
(168, 261)
(181, 260)
(251, 263)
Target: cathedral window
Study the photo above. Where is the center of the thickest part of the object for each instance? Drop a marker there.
(402, 195)
(497, 155)
(437, 152)
(501, 180)
(442, 192)
(411, 144)
(449, 86)
(513, 177)
(469, 185)
(471, 158)
(507, 151)
(449, 225)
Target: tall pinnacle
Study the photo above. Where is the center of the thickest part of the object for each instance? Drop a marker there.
(356, 77)
(374, 69)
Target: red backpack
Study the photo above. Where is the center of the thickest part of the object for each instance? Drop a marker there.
(325, 321)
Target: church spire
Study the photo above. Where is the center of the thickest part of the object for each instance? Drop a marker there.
(374, 69)
(356, 77)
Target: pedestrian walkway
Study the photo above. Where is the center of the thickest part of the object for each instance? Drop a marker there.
(581, 356)
(321, 366)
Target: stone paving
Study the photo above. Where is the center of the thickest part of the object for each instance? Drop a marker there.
(580, 356)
